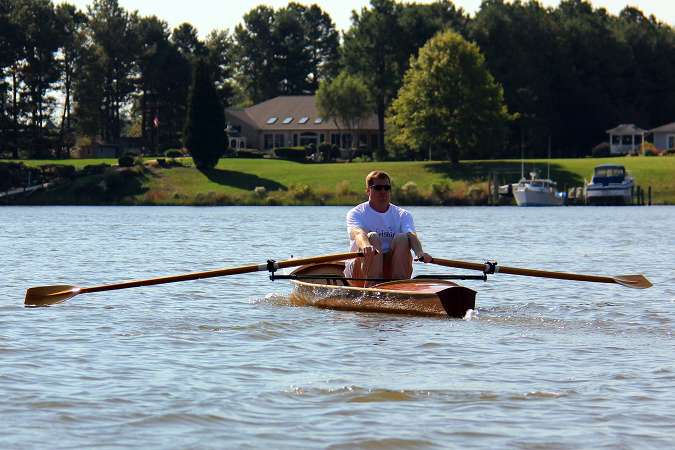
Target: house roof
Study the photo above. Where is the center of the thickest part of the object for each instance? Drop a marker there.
(626, 128)
(667, 128)
(287, 112)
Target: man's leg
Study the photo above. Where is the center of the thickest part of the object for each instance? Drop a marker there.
(401, 258)
(368, 266)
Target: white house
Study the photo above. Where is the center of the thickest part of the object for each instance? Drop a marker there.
(664, 136)
(626, 138)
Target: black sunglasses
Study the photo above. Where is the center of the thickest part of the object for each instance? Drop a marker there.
(381, 187)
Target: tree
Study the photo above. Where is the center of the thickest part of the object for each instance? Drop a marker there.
(370, 49)
(346, 101)
(285, 52)
(219, 48)
(38, 71)
(448, 100)
(106, 81)
(255, 54)
(205, 124)
(520, 44)
(72, 23)
(186, 40)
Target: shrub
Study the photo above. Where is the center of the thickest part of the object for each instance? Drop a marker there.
(52, 171)
(173, 153)
(12, 175)
(601, 150)
(324, 152)
(343, 188)
(248, 153)
(408, 194)
(94, 169)
(126, 160)
(441, 194)
(648, 149)
(260, 191)
(290, 153)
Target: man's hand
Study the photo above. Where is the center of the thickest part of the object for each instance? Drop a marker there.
(424, 257)
(368, 250)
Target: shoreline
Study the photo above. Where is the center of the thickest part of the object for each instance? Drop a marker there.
(267, 182)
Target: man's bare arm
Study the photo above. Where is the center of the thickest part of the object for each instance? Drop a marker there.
(360, 236)
(416, 246)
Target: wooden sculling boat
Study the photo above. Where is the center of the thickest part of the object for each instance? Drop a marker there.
(416, 296)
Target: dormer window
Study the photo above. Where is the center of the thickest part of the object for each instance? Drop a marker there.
(303, 119)
(287, 120)
(271, 120)
(318, 120)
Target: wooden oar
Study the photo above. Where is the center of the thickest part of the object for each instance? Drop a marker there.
(50, 295)
(632, 281)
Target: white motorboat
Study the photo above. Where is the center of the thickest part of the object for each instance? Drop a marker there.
(537, 192)
(610, 185)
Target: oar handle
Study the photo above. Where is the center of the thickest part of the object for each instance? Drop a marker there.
(222, 272)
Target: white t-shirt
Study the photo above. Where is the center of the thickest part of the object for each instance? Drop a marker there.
(386, 225)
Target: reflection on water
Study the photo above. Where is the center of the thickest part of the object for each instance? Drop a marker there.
(229, 362)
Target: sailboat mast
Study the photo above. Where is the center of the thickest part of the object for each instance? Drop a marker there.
(522, 156)
(548, 165)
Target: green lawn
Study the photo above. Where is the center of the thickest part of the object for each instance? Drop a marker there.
(235, 179)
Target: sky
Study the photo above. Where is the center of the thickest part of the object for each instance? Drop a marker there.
(208, 15)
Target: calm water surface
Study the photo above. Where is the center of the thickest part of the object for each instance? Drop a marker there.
(227, 363)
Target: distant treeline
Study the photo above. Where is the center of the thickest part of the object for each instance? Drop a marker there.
(568, 73)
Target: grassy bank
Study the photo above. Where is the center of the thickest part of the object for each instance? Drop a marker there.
(263, 181)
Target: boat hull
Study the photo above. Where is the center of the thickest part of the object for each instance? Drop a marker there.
(416, 297)
(529, 197)
(608, 195)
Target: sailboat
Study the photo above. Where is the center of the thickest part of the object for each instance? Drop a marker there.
(537, 191)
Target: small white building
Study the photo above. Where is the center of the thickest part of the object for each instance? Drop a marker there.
(664, 136)
(626, 138)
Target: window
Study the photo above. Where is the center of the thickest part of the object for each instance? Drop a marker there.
(335, 139)
(288, 120)
(318, 120)
(279, 140)
(616, 140)
(671, 141)
(626, 140)
(271, 120)
(303, 119)
(268, 139)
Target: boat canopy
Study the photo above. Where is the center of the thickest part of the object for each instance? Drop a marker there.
(609, 171)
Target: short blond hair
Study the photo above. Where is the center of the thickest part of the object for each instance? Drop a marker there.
(377, 175)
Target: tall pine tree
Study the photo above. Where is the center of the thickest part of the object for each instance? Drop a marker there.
(205, 124)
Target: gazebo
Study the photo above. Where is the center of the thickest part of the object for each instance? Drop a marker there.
(626, 138)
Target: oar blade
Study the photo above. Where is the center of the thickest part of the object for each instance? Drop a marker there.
(50, 295)
(633, 281)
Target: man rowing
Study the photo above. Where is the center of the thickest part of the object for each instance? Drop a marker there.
(384, 233)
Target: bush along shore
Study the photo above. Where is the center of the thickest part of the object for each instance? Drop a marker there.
(175, 181)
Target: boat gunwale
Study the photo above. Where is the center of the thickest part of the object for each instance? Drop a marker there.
(449, 284)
